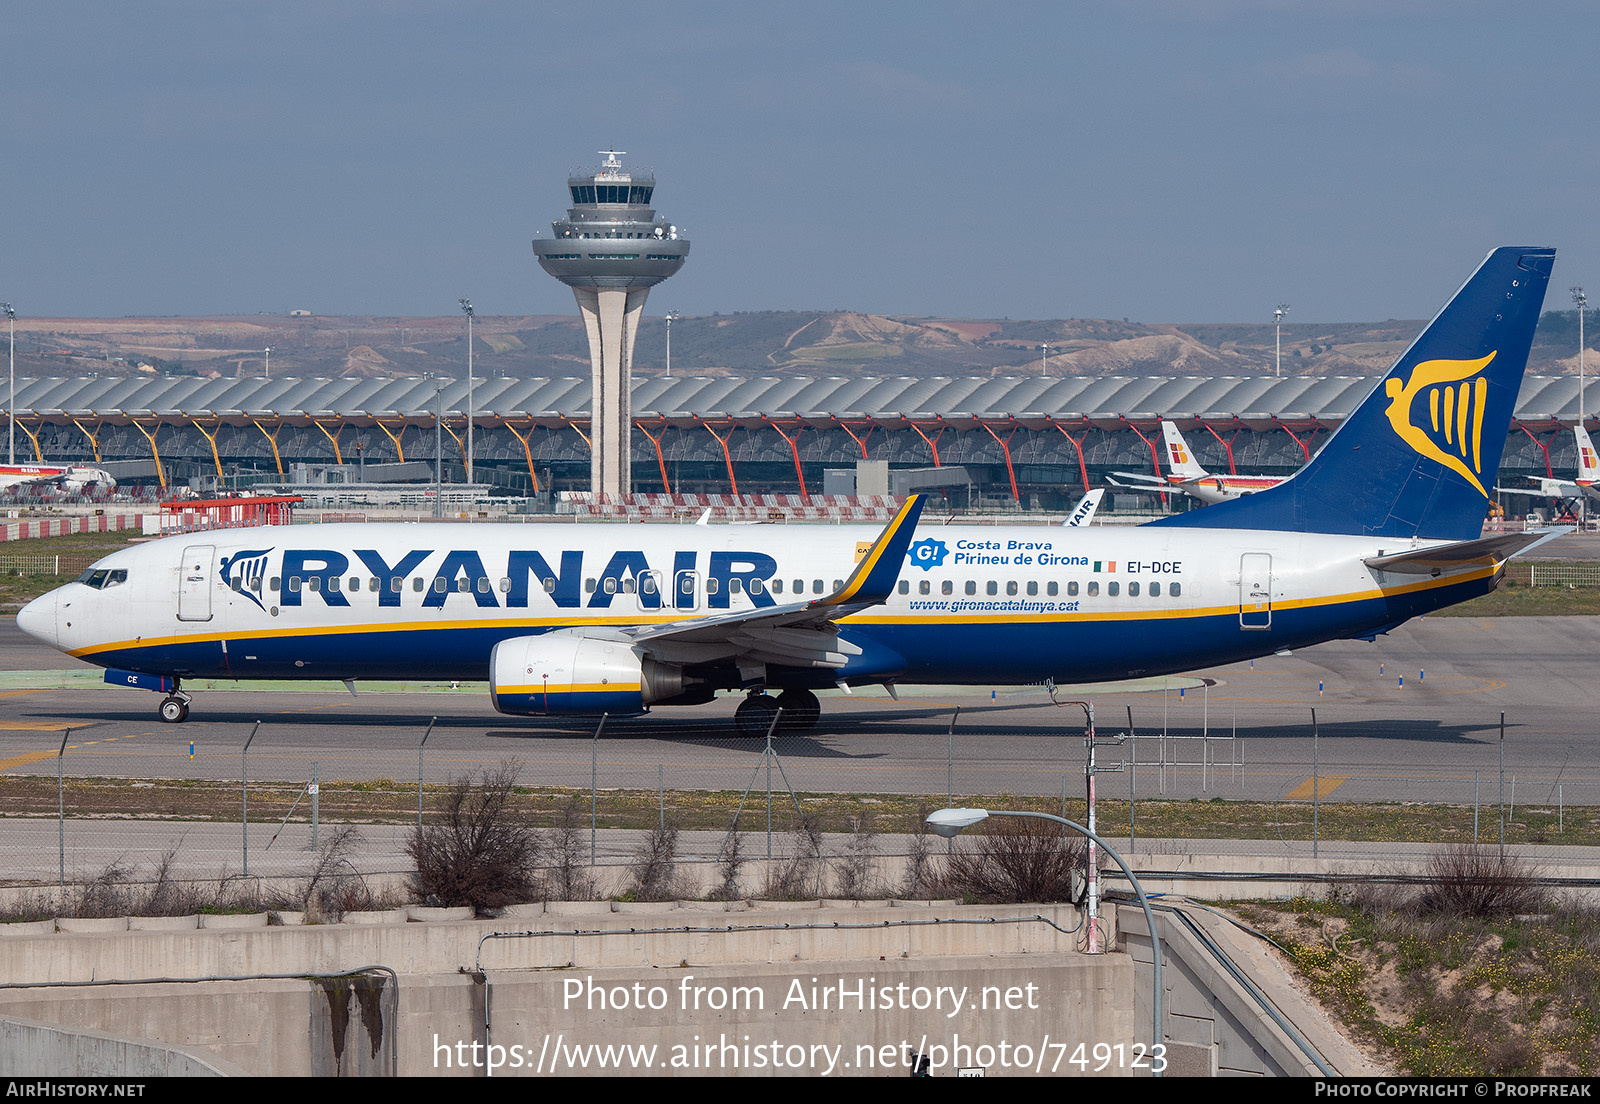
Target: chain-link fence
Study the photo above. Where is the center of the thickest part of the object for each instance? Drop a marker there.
(867, 780)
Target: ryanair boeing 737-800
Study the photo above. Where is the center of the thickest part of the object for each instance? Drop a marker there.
(1383, 524)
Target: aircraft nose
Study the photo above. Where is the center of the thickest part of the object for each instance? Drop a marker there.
(38, 619)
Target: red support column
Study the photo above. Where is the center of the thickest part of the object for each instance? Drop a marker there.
(795, 452)
(1005, 447)
(1083, 469)
(933, 445)
(727, 458)
(666, 484)
(1227, 446)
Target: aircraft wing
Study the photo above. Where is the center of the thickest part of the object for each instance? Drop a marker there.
(800, 634)
(1134, 481)
(1483, 552)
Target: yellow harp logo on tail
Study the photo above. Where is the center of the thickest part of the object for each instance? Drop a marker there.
(1455, 393)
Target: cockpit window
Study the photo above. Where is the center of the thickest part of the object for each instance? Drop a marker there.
(101, 577)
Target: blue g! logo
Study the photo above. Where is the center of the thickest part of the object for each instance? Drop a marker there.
(928, 554)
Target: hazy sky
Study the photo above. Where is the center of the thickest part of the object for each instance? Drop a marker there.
(1159, 160)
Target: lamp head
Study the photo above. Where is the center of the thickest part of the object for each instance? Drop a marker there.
(949, 822)
(466, 307)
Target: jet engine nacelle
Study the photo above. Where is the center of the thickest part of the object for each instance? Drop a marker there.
(566, 672)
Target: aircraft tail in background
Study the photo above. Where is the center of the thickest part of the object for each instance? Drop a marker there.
(1180, 460)
(1417, 457)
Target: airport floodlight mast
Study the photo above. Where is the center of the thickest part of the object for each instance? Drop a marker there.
(466, 307)
(1277, 318)
(267, 373)
(1582, 301)
(611, 249)
(1044, 359)
(672, 316)
(11, 401)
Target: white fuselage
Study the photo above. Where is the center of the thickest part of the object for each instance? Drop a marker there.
(973, 604)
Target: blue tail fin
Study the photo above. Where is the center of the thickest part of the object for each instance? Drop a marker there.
(1417, 457)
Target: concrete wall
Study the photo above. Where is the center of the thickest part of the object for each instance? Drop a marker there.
(676, 980)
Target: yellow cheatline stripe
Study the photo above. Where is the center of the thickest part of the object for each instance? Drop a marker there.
(1123, 613)
(574, 688)
(1324, 786)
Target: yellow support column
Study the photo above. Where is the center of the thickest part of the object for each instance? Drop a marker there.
(213, 441)
(338, 458)
(400, 453)
(272, 439)
(93, 444)
(150, 435)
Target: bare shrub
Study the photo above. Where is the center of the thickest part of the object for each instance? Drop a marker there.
(921, 880)
(107, 893)
(568, 877)
(334, 886)
(1016, 861)
(653, 873)
(730, 863)
(799, 876)
(1474, 880)
(480, 851)
(855, 877)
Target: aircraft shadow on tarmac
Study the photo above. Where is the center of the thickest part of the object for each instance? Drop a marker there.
(719, 732)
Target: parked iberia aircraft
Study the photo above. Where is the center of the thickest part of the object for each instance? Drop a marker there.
(1189, 476)
(72, 480)
(1585, 486)
(1382, 525)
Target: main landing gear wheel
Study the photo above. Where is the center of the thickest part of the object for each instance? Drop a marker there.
(801, 710)
(174, 710)
(754, 716)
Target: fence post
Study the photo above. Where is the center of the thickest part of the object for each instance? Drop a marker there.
(244, 800)
(425, 735)
(61, 805)
(594, 788)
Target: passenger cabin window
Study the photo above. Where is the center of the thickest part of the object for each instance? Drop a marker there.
(417, 584)
(1133, 590)
(1051, 589)
(1112, 589)
(1033, 588)
(947, 587)
(1072, 588)
(905, 587)
(924, 587)
(972, 587)
(992, 587)
(1175, 589)
(1094, 590)
(777, 586)
(1011, 587)
(1155, 590)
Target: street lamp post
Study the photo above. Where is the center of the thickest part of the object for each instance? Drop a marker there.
(672, 316)
(1277, 318)
(1582, 301)
(466, 306)
(438, 448)
(949, 822)
(11, 402)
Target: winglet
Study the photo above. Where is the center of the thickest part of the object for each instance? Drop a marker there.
(874, 577)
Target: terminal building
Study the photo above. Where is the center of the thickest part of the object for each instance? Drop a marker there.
(1007, 443)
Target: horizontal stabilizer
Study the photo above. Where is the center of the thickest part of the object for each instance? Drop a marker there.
(1484, 552)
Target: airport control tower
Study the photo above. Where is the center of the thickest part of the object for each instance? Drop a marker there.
(610, 250)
